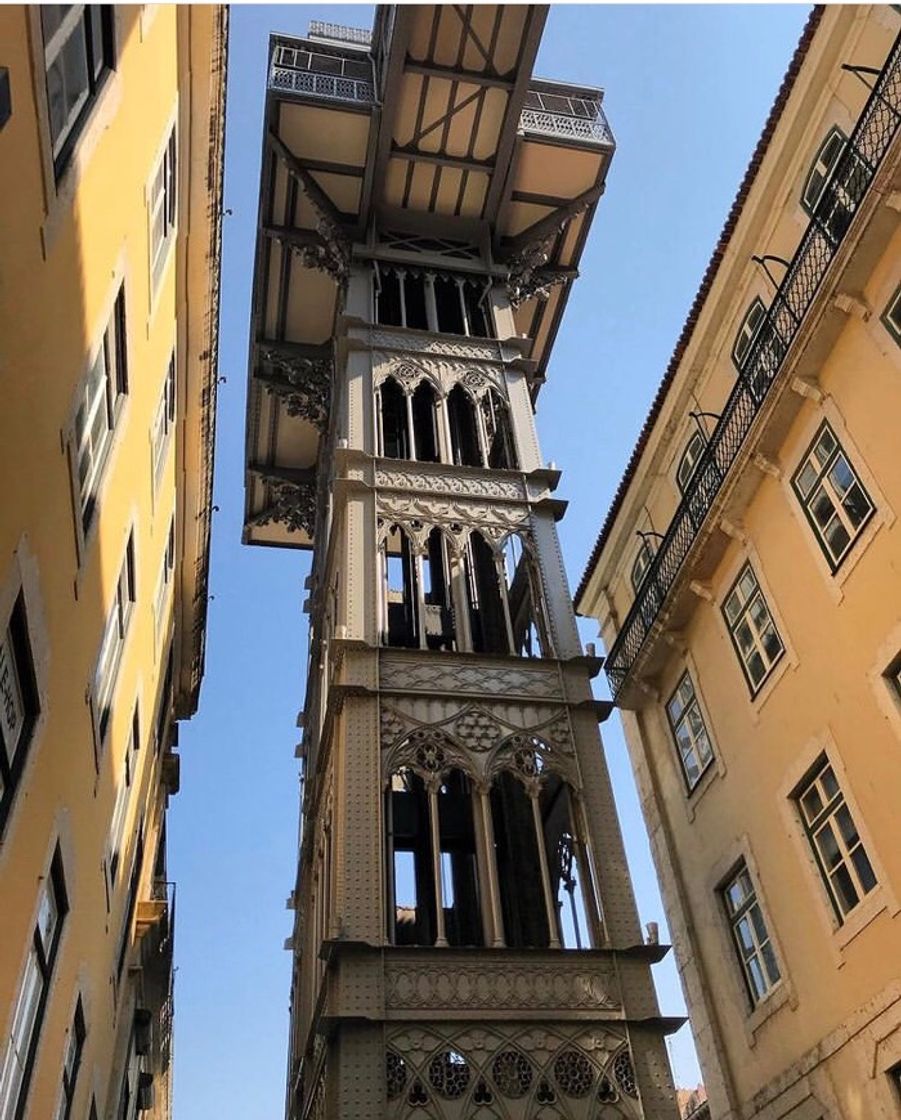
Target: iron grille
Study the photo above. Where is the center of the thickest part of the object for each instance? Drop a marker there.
(841, 198)
(565, 116)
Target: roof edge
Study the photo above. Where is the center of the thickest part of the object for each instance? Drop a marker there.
(710, 275)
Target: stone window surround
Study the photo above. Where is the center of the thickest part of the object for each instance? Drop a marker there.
(881, 897)
(156, 288)
(883, 514)
(783, 991)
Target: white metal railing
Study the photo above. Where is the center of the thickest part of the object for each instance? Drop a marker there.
(569, 128)
(340, 33)
(285, 74)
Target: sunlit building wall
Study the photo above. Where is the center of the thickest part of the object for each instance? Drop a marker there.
(746, 581)
(111, 143)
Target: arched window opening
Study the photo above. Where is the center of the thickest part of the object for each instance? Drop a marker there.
(439, 624)
(459, 870)
(822, 168)
(747, 332)
(449, 306)
(523, 904)
(392, 406)
(498, 432)
(640, 565)
(835, 184)
(425, 422)
(527, 625)
(567, 864)
(388, 302)
(464, 430)
(410, 866)
(476, 310)
(487, 611)
(400, 623)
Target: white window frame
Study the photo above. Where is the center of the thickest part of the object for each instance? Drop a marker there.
(124, 788)
(641, 565)
(20, 701)
(72, 1061)
(162, 208)
(738, 609)
(100, 396)
(823, 783)
(164, 581)
(30, 1004)
(818, 464)
(163, 423)
(689, 705)
(822, 168)
(688, 462)
(112, 644)
(754, 945)
(748, 330)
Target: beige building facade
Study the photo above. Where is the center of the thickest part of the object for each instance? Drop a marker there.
(111, 141)
(465, 938)
(747, 581)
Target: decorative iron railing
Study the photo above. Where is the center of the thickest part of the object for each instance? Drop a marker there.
(566, 116)
(841, 198)
(339, 33)
(318, 74)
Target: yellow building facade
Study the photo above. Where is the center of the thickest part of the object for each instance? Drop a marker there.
(746, 581)
(111, 143)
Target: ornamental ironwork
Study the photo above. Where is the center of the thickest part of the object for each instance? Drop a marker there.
(568, 128)
(303, 384)
(291, 503)
(841, 199)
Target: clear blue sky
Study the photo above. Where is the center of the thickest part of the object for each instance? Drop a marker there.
(688, 89)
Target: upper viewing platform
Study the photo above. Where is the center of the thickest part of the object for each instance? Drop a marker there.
(419, 155)
(335, 63)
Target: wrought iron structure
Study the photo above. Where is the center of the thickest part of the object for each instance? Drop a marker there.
(831, 219)
(319, 75)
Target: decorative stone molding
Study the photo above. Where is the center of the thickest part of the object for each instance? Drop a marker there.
(292, 504)
(491, 1070)
(456, 985)
(419, 513)
(303, 384)
(421, 342)
(441, 481)
(454, 677)
(443, 372)
(475, 727)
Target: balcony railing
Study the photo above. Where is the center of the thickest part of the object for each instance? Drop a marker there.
(565, 115)
(317, 73)
(841, 198)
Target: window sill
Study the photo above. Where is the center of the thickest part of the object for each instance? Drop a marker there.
(862, 916)
(778, 996)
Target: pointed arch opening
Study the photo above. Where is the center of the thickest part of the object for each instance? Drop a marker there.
(498, 432)
(439, 617)
(393, 420)
(523, 906)
(466, 450)
(458, 861)
(425, 422)
(400, 591)
(410, 863)
(529, 630)
(488, 621)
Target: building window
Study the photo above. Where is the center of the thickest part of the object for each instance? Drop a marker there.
(834, 839)
(891, 317)
(72, 1063)
(113, 641)
(123, 798)
(753, 631)
(19, 704)
(694, 449)
(836, 504)
(823, 166)
(430, 301)
(163, 209)
(163, 422)
(640, 565)
(164, 581)
(750, 934)
(31, 1000)
(689, 731)
(78, 54)
(99, 403)
(747, 332)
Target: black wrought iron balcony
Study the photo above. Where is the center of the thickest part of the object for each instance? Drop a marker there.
(565, 112)
(311, 69)
(873, 134)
